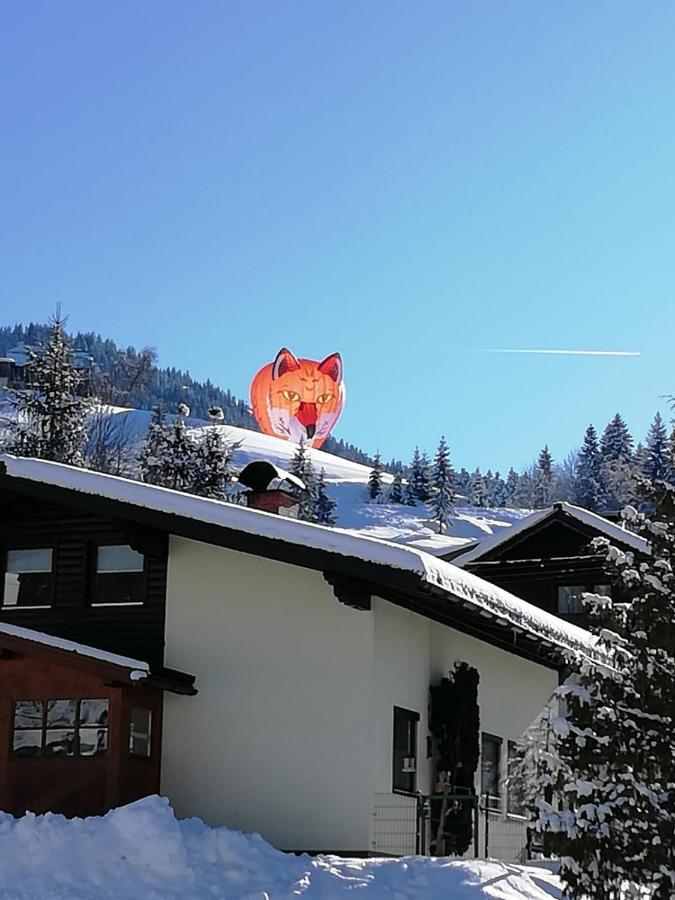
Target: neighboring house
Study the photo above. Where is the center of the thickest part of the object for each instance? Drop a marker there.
(15, 367)
(313, 651)
(547, 558)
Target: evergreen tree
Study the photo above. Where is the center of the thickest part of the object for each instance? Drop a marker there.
(616, 452)
(612, 817)
(498, 491)
(440, 503)
(375, 478)
(588, 481)
(169, 456)
(420, 478)
(462, 484)
(511, 487)
(656, 464)
(479, 494)
(616, 442)
(396, 493)
(524, 493)
(302, 468)
(324, 507)
(543, 489)
(213, 458)
(50, 420)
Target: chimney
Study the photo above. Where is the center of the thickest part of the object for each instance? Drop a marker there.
(270, 488)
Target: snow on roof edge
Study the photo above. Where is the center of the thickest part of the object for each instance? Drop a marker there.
(48, 640)
(609, 529)
(428, 568)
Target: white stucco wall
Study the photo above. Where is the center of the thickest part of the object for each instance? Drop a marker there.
(276, 740)
(291, 732)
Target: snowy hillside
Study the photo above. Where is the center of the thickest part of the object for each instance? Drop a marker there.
(346, 483)
(142, 851)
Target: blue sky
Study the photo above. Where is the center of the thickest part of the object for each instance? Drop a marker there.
(405, 183)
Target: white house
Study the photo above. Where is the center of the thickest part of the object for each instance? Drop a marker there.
(310, 648)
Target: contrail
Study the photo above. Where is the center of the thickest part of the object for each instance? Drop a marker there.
(567, 352)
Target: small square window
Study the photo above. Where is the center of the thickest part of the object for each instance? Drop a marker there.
(490, 770)
(28, 578)
(405, 749)
(119, 575)
(140, 728)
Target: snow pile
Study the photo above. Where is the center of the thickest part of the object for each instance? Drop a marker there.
(142, 852)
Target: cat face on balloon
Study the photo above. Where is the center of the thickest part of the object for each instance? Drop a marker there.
(299, 399)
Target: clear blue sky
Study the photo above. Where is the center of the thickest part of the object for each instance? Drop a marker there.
(403, 182)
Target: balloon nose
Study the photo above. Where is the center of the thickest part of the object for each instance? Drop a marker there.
(311, 430)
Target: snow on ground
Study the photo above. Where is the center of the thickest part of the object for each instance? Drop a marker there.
(346, 482)
(142, 852)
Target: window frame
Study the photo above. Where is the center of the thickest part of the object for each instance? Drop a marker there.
(520, 812)
(412, 718)
(5, 550)
(586, 587)
(94, 575)
(142, 756)
(499, 797)
(44, 728)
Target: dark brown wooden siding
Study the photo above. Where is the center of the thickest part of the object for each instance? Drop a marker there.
(136, 631)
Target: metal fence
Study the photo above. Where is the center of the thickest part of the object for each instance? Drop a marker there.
(406, 824)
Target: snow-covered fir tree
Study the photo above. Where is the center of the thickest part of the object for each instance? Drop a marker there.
(616, 452)
(213, 460)
(511, 487)
(396, 491)
(49, 419)
(169, 456)
(301, 466)
(543, 488)
(657, 458)
(375, 479)
(616, 442)
(497, 491)
(524, 493)
(440, 503)
(324, 507)
(462, 483)
(479, 492)
(612, 816)
(420, 476)
(588, 481)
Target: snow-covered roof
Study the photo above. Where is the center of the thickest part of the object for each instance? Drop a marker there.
(137, 668)
(431, 573)
(603, 526)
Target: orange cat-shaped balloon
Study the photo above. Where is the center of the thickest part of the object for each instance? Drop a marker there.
(298, 399)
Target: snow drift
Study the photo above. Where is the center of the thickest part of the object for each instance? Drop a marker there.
(142, 852)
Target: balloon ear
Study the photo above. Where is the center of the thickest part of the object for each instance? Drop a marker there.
(285, 362)
(332, 366)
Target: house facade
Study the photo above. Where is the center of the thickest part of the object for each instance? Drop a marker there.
(289, 663)
(548, 559)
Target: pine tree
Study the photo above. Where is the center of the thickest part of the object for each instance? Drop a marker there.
(498, 491)
(588, 481)
(302, 468)
(616, 452)
(396, 493)
(213, 458)
(524, 493)
(511, 487)
(543, 489)
(479, 495)
(657, 457)
(440, 503)
(462, 484)
(420, 478)
(324, 507)
(170, 455)
(616, 442)
(612, 818)
(50, 420)
(375, 478)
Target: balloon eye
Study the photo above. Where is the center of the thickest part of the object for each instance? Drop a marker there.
(324, 398)
(291, 396)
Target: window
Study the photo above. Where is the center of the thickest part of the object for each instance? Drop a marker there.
(29, 578)
(490, 774)
(405, 749)
(119, 576)
(570, 596)
(60, 727)
(140, 731)
(514, 800)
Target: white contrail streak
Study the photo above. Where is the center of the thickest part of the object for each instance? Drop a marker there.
(568, 352)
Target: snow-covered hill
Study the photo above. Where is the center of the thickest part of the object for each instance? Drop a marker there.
(346, 483)
(142, 851)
